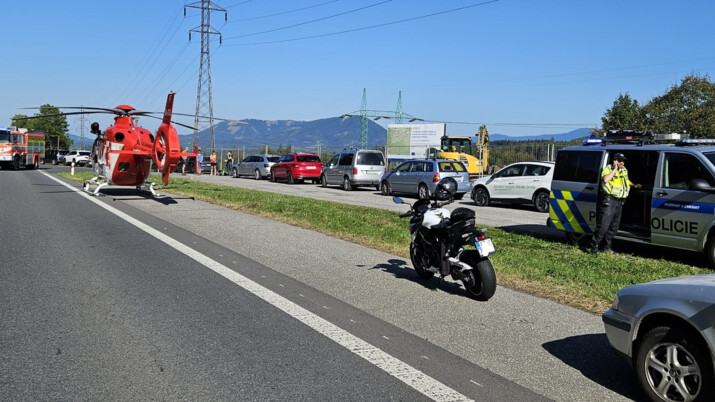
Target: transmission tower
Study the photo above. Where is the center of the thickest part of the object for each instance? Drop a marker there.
(204, 102)
(398, 116)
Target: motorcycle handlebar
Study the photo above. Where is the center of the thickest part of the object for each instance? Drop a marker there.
(406, 214)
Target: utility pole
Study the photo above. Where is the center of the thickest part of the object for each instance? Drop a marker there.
(398, 116)
(81, 119)
(204, 103)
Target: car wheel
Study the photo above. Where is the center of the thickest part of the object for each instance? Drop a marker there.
(273, 176)
(673, 365)
(234, 173)
(423, 192)
(346, 184)
(541, 201)
(289, 178)
(480, 197)
(385, 188)
(323, 181)
(257, 175)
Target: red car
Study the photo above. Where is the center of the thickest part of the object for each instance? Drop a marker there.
(297, 167)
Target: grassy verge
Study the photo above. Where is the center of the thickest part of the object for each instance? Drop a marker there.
(545, 268)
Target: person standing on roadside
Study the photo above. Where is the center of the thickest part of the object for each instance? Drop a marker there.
(229, 162)
(615, 187)
(212, 161)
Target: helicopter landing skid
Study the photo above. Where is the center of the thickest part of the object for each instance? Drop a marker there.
(148, 187)
(93, 181)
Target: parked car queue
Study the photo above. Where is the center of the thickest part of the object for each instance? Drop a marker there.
(521, 183)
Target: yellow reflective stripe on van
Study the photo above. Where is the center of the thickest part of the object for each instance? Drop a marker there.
(564, 214)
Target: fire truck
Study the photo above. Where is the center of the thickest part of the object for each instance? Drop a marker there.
(20, 147)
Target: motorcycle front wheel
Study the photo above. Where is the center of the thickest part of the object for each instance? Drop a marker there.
(418, 261)
(480, 281)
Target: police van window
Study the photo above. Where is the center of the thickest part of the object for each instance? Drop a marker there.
(679, 169)
(578, 166)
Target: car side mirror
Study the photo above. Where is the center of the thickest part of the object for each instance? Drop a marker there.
(700, 185)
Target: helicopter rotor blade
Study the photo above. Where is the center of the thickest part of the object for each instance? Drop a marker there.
(54, 115)
(172, 122)
(206, 117)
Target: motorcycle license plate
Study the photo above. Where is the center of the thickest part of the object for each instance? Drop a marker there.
(485, 247)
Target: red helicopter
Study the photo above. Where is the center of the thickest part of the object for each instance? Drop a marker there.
(122, 155)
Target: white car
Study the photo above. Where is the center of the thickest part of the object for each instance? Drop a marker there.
(522, 182)
(79, 158)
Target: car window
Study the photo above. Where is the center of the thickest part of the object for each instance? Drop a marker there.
(511, 171)
(679, 169)
(536, 170)
(370, 158)
(405, 167)
(452, 166)
(308, 158)
(272, 159)
(334, 160)
(346, 159)
(578, 166)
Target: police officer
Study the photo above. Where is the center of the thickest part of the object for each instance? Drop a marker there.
(615, 187)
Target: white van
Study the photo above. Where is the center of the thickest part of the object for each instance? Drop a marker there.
(675, 206)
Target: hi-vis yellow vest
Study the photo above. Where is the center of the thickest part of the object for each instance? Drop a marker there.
(619, 186)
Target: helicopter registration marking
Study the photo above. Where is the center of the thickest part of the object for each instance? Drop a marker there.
(411, 376)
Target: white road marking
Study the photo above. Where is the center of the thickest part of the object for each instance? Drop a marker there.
(414, 378)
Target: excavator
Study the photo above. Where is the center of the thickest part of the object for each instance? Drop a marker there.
(474, 157)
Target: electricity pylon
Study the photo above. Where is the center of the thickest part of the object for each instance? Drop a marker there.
(204, 101)
(398, 116)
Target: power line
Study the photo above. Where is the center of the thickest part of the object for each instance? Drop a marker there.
(285, 12)
(311, 21)
(367, 27)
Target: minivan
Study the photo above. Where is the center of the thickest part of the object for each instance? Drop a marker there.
(352, 168)
(675, 206)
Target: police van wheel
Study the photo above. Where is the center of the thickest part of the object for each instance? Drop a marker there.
(710, 250)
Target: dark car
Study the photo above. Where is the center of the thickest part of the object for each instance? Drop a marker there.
(55, 156)
(297, 167)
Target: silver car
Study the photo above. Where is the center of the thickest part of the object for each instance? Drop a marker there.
(352, 168)
(257, 166)
(666, 330)
(420, 177)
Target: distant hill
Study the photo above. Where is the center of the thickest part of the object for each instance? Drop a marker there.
(331, 132)
(571, 135)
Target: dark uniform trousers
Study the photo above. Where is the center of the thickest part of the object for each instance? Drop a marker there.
(608, 219)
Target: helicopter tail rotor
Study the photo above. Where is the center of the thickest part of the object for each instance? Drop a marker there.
(166, 150)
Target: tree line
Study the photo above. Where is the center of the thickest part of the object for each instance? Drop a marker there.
(688, 107)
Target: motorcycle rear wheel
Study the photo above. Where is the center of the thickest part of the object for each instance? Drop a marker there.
(481, 281)
(417, 258)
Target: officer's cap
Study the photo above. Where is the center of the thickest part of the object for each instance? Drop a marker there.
(619, 157)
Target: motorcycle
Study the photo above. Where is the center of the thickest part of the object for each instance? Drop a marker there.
(439, 239)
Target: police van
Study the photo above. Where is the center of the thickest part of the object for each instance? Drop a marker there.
(675, 206)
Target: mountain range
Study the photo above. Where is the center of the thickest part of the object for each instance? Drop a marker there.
(329, 132)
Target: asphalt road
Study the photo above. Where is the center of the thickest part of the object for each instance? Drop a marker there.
(96, 308)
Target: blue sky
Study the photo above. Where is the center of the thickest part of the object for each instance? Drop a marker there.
(521, 67)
